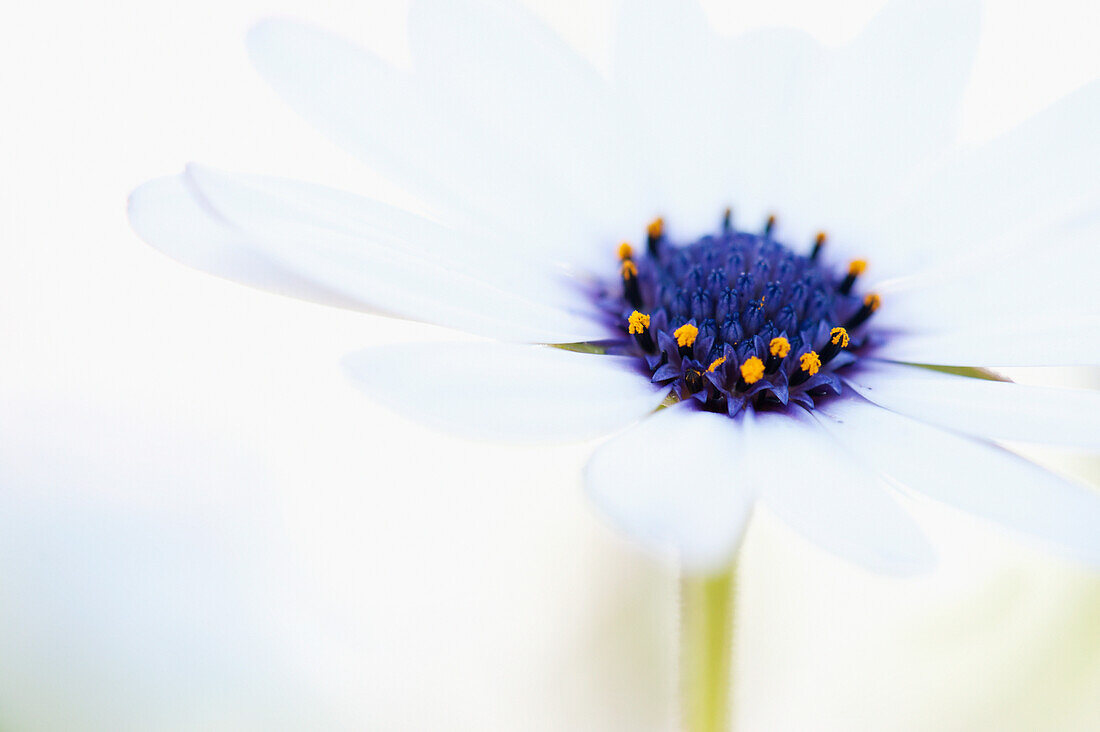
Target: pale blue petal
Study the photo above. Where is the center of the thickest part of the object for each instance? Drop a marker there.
(506, 392)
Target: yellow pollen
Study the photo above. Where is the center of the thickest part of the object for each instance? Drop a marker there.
(872, 301)
(637, 323)
(857, 266)
(810, 362)
(839, 336)
(656, 228)
(716, 363)
(820, 238)
(629, 269)
(779, 347)
(625, 250)
(752, 370)
(685, 334)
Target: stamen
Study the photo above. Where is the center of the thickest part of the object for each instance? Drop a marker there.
(778, 350)
(638, 326)
(693, 380)
(855, 269)
(769, 225)
(752, 371)
(809, 364)
(727, 220)
(819, 241)
(631, 291)
(685, 336)
(626, 251)
(654, 232)
(870, 305)
(838, 340)
(715, 364)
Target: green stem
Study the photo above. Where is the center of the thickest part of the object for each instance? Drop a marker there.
(706, 636)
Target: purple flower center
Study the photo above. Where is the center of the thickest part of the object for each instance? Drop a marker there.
(738, 319)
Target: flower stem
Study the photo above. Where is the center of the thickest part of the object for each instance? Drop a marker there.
(706, 635)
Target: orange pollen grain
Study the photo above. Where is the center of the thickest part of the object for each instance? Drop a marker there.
(656, 228)
(685, 334)
(752, 370)
(810, 362)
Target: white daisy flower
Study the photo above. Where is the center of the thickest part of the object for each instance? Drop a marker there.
(788, 359)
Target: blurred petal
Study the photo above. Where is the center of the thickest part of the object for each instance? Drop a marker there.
(379, 257)
(975, 476)
(169, 214)
(715, 114)
(471, 172)
(1028, 173)
(677, 482)
(773, 122)
(506, 392)
(833, 501)
(1033, 342)
(1025, 281)
(540, 102)
(995, 410)
(880, 108)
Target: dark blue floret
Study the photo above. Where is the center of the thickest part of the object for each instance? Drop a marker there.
(737, 319)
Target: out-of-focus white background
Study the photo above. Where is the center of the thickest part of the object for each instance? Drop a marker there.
(203, 525)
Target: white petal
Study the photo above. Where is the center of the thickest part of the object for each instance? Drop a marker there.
(506, 392)
(388, 260)
(975, 476)
(540, 102)
(168, 214)
(837, 504)
(995, 410)
(770, 121)
(983, 193)
(879, 109)
(676, 483)
(1046, 273)
(716, 114)
(465, 169)
(1032, 342)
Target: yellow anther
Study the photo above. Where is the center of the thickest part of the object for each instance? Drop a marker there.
(752, 370)
(656, 228)
(715, 364)
(839, 337)
(857, 266)
(625, 250)
(810, 362)
(685, 334)
(779, 347)
(629, 269)
(637, 323)
(820, 238)
(872, 301)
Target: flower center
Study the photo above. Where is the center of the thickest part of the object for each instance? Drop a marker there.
(737, 319)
